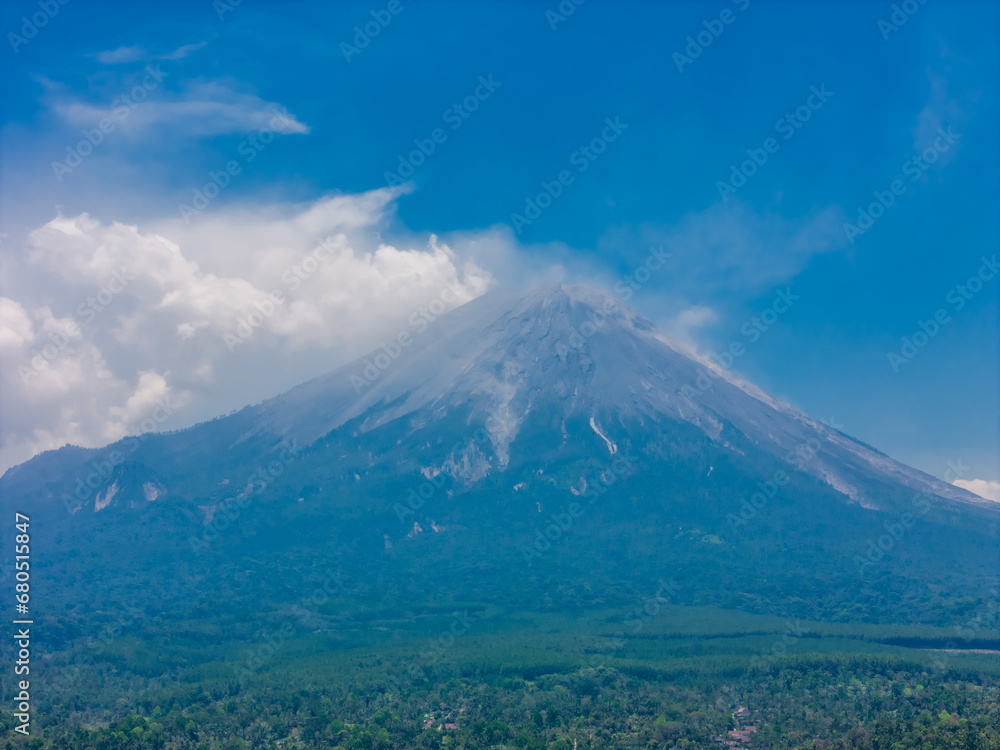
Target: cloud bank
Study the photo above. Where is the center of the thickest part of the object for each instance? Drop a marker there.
(114, 320)
(982, 487)
(202, 317)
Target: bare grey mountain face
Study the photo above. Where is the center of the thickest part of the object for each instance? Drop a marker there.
(584, 353)
(499, 360)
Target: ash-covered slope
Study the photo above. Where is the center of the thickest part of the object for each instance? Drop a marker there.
(507, 360)
(514, 351)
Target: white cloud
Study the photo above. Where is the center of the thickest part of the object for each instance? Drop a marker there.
(131, 54)
(56, 387)
(982, 487)
(940, 113)
(729, 248)
(688, 321)
(720, 258)
(515, 265)
(950, 104)
(182, 51)
(203, 108)
(162, 307)
(153, 305)
(121, 55)
(15, 327)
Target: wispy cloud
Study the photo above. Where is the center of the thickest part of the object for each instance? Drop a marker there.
(941, 111)
(135, 53)
(949, 104)
(687, 322)
(204, 108)
(121, 55)
(182, 52)
(729, 248)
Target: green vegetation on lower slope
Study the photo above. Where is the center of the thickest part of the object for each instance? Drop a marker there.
(653, 675)
(316, 615)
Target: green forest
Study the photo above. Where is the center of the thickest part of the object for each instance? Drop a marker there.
(655, 675)
(569, 603)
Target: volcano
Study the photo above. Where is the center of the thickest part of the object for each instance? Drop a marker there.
(548, 433)
(580, 354)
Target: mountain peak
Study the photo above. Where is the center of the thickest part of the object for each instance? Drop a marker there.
(580, 353)
(566, 362)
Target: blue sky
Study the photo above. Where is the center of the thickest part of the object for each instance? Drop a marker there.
(211, 84)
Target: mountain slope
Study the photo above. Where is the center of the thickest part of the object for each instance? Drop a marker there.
(582, 352)
(505, 356)
(536, 448)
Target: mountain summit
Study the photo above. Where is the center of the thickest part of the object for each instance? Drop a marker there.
(579, 352)
(562, 352)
